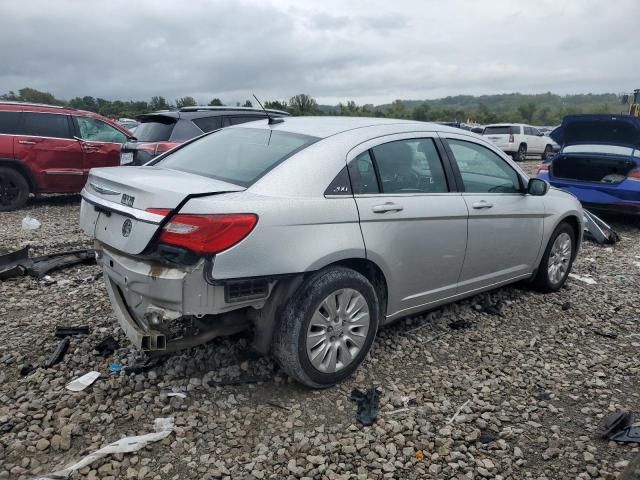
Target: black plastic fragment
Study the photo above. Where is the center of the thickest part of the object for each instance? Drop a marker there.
(7, 427)
(26, 369)
(487, 436)
(236, 381)
(368, 403)
(542, 396)
(606, 333)
(566, 306)
(58, 353)
(107, 346)
(460, 324)
(18, 263)
(145, 363)
(597, 230)
(495, 309)
(619, 428)
(62, 332)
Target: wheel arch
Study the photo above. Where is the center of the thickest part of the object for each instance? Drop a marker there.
(574, 223)
(22, 169)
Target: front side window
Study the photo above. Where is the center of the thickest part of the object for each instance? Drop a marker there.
(46, 125)
(482, 170)
(410, 166)
(236, 155)
(94, 130)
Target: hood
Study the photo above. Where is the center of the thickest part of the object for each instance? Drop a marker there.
(592, 129)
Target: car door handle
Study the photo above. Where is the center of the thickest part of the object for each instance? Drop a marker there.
(481, 205)
(26, 142)
(387, 207)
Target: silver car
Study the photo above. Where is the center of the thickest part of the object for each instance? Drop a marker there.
(315, 232)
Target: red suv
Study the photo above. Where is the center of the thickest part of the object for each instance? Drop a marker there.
(48, 149)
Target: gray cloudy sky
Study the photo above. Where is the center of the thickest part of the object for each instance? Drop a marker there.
(371, 51)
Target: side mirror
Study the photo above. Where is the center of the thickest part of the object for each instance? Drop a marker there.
(537, 187)
(541, 134)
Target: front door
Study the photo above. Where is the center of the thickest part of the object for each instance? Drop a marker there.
(101, 143)
(414, 226)
(46, 146)
(505, 224)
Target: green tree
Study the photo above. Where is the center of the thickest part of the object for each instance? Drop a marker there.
(216, 102)
(248, 104)
(277, 105)
(159, 103)
(527, 111)
(420, 113)
(36, 96)
(303, 104)
(186, 102)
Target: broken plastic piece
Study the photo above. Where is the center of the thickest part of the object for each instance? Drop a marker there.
(487, 437)
(58, 353)
(82, 382)
(460, 324)
(596, 230)
(107, 346)
(236, 381)
(176, 394)
(495, 309)
(144, 364)
(30, 223)
(26, 369)
(163, 427)
(62, 332)
(368, 401)
(566, 306)
(18, 263)
(7, 427)
(585, 279)
(115, 367)
(619, 428)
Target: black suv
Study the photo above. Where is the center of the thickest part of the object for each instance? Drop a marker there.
(163, 130)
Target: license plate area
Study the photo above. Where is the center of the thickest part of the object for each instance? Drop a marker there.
(126, 158)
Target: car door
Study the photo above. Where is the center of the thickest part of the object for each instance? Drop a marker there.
(46, 146)
(505, 225)
(540, 140)
(413, 224)
(533, 143)
(101, 143)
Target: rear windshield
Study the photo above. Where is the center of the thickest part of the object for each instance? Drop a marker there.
(501, 130)
(155, 130)
(236, 155)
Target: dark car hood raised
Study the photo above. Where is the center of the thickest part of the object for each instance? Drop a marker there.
(606, 129)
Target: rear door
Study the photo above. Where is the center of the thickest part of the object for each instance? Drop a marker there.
(531, 140)
(414, 225)
(46, 146)
(8, 127)
(505, 225)
(101, 143)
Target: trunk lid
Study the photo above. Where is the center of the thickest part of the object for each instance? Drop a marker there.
(115, 202)
(621, 130)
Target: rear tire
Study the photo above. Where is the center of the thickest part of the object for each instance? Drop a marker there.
(327, 328)
(557, 260)
(14, 189)
(521, 154)
(548, 152)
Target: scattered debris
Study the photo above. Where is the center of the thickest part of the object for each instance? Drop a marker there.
(58, 353)
(176, 394)
(596, 230)
(619, 428)
(620, 277)
(107, 346)
(277, 405)
(487, 436)
(542, 396)
(495, 309)
(399, 410)
(26, 369)
(18, 263)
(368, 403)
(566, 306)
(145, 363)
(30, 223)
(163, 427)
(236, 381)
(62, 332)
(115, 367)
(455, 415)
(420, 455)
(82, 382)
(606, 333)
(586, 279)
(7, 427)
(460, 324)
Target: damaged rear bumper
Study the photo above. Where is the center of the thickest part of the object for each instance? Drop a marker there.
(170, 308)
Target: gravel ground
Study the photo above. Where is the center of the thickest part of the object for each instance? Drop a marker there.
(531, 384)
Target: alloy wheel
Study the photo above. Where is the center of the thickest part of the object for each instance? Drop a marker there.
(559, 258)
(9, 191)
(338, 330)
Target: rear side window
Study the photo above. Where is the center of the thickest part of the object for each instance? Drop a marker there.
(208, 124)
(157, 129)
(46, 125)
(238, 119)
(236, 155)
(363, 174)
(9, 122)
(502, 130)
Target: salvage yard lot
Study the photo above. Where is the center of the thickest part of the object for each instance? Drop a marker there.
(535, 380)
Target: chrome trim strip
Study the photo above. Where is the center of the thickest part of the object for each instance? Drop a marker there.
(64, 172)
(103, 190)
(131, 212)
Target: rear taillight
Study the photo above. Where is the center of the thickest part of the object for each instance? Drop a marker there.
(543, 167)
(205, 234)
(162, 147)
(511, 138)
(634, 175)
(147, 147)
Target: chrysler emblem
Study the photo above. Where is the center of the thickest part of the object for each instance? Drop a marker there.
(126, 228)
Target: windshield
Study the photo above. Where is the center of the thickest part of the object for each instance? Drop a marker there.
(236, 155)
(157, 130)
(501, 130)
(606, 149)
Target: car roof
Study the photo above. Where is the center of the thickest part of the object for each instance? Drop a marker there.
(514, 124)
(206, 111)
(323, 127)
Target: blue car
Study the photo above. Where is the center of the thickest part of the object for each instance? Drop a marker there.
(598, 162)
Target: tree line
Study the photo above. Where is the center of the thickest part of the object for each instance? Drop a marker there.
(537, 109)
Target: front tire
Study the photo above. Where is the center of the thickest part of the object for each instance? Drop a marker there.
(14, 189)
(327, 327)
(548, 152)
(521, 154)
(557, 260)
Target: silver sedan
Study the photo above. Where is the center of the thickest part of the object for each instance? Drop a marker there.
(314, 232)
